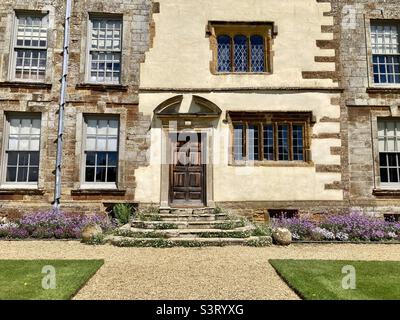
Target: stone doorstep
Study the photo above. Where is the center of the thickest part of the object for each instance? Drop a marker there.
(115, 240)
(204, 224)
(187, 211)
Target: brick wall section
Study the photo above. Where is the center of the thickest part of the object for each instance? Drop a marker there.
(81, 99)
(360, 108)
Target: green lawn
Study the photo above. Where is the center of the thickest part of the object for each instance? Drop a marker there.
(322, 279)
(22, 279)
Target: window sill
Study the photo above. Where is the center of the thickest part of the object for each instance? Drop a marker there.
(102, 87)
(384, 89)
(25, 84)
(98, 191)
(22, 191)
(271, 164)
(386, 192)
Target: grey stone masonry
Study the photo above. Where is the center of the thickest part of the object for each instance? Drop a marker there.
(363, 102)
(120, 100)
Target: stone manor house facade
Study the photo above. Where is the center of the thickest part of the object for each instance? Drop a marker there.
(260, 107)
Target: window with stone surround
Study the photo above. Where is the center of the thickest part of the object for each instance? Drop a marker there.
(30, 47)
(105, 46)
(101, 151)
(241, 47)
(22, 149)
(270, 137)
(389, 151)
(386, 52)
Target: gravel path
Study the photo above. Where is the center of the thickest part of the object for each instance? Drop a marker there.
(189, 273)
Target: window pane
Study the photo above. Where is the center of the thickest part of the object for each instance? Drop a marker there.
(90, 158)
(268, 142)
(298, 143)
(23, 159)
(112, 159)
(113, 127)
(112, 144)
(34, 158)
(253, 132)
(91, 143)
(12, 158)
(238, 142)
(101, 174)
(101, 143)
(11, 174)
(384, 175)
(33, 174)
(240, 54)
(283, 142)
(22, 175)
(257, 54)
(224, 54)
(89, 174)
(101, 158)
(13, 142)
(112, 174)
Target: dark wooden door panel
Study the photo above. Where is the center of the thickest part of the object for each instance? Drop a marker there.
(187, 171)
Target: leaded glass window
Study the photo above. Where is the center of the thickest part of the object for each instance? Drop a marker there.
(389, 150)
(30, 49)
(283, 142)
(240, 54)
(386, 53)
(254, 140)
(224, 53)
(271, 141)
(101, 150)
(298, 152)
(238, 144)
(22, 151)
(105, 50)
(257, 54)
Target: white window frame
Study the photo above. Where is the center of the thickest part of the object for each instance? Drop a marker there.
(14, 47)
(388, 185)
(382, 23)
(17, 185)
(97, 185)
(89, 50)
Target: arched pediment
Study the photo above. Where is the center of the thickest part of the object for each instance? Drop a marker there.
(196, 107)
(169, 106)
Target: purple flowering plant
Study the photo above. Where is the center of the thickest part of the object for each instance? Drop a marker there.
(52, 224)
(354, 226)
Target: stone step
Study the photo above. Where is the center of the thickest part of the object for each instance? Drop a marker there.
(167, 217)
(188, 242)
(187, 211)
(241, 232)
(178, 224)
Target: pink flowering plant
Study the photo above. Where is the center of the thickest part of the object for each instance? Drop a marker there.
(350, 227)
(52, 224)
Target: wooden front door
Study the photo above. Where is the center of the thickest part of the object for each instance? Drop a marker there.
(187, 178)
